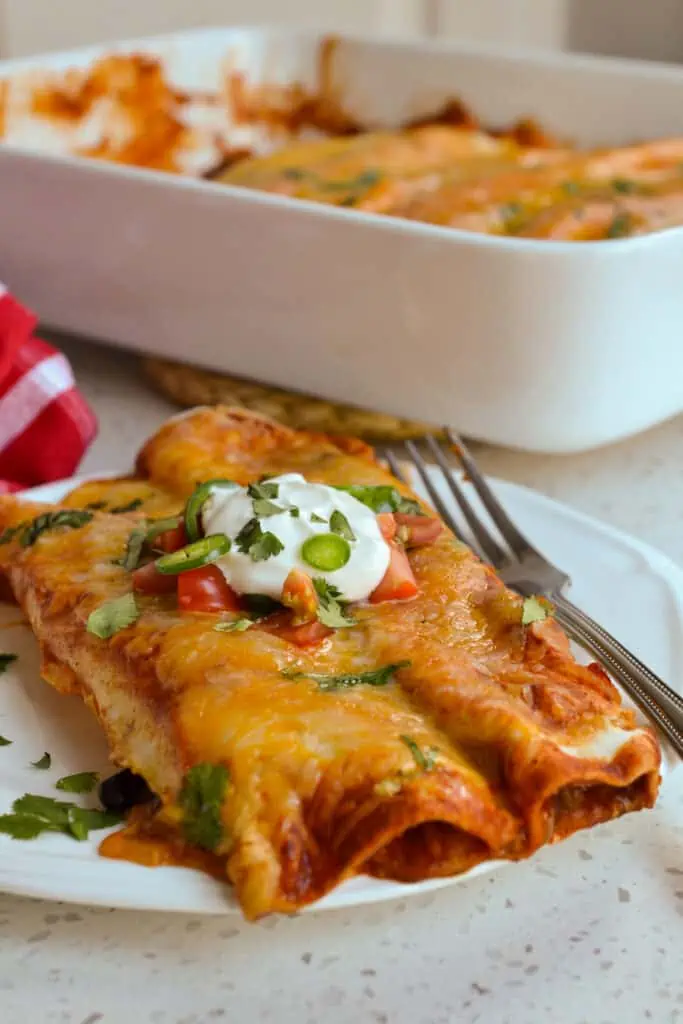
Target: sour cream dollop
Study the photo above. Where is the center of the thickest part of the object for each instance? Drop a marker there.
(228, 509)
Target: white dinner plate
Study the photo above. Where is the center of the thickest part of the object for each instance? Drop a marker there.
(633, 590)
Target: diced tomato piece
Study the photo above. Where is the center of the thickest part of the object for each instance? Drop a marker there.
(387, 525)
(398, 583)
(300, 595)
(205, 590)
(420, 529)
(148, 580)
(171, 540)
(306, 635)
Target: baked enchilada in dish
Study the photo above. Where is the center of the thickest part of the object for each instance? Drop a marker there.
(467, 179)
(448, 169)
(311, 674)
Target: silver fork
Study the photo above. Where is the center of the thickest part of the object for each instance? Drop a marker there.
(527, 571)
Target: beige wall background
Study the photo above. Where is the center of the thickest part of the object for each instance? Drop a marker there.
(641, 28)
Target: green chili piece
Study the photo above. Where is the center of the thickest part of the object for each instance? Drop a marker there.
(195, 503)
(193, 556)
(326, 552)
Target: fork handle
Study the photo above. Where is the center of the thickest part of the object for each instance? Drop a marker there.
(646, 688)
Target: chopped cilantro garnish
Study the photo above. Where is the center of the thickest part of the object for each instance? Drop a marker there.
(259, 545)
(83, 820)
(295, 512)
(621, 226)
(383, 498)
(201, 799)
(624, 186)
(265, 547)
(265, 488)
(73, 518)
(4, 742)
(340, 524)
(131, 506)
(31, 815)
(375, 677)
(535, 609)
(96, 506)
(10, 533)
(43, 763)
(424, 759)
(53, 811)
(23, 826)
(5, 661)
(315, 518)
(331, 611)
(261, 495)
(81, 782)
(113, 616)
(355, 188)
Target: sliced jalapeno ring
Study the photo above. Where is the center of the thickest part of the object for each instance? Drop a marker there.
(194, 505)
(194, 556)
(326, 552)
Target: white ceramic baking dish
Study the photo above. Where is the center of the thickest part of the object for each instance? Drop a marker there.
(547, 346)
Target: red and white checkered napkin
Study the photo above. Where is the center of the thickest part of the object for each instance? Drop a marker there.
(45, 424)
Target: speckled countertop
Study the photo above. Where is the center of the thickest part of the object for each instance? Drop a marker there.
(588, 932)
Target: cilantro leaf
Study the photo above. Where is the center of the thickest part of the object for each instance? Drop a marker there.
(131, 506)
(73, 518)
(331, 611)
(424, 759)
(10, 533)
(5, 661)
(622, 225)
(295, 512)
(252, 541)
(375, 677)
(266, 546)
(113, 616)
(82, 820)
(31, 815)
(535, 609)
(265, 488)
(43, 763)
(264, 508)
(23, 826)
(248, 535)
(4, 742)
(383, 498)
(340, 524)
(261, 495)
(95, 506)
(201, 800)
(53, 812)
(234, 626)
(624, 186)
(81, 782)
(315, 518)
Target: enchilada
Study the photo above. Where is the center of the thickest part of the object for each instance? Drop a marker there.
(296, 742)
